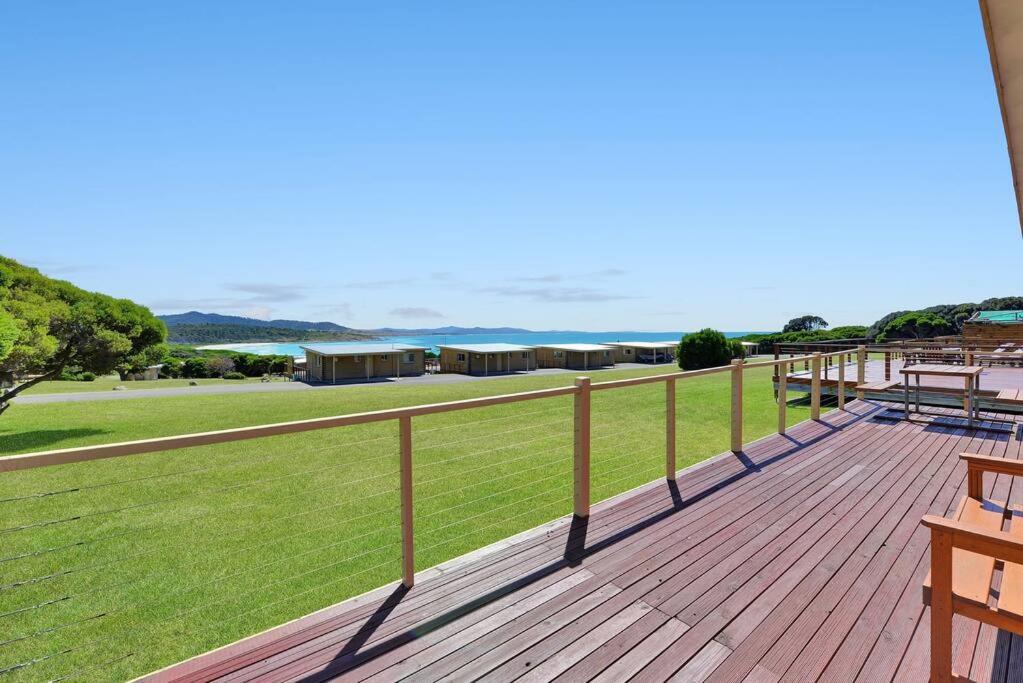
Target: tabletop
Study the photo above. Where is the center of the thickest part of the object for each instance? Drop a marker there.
(943, 370)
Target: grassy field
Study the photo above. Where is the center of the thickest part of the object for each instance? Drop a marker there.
(114, 568)
(107, 383)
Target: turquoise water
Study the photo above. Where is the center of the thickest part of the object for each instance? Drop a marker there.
(431, 341)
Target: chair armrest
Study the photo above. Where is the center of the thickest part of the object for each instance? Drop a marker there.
(997, 544)
(987, 463)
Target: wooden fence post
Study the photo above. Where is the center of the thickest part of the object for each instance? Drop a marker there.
(815, 387)
(941, 606)
(669, 430)
(737, 406)
(887, 365)
(581, 497)
(408, 563)
(841, 386)
(783, 387)
(861, 368)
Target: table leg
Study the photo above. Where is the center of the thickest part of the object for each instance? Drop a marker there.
(905, 384)
(969, 402)
(918, 393)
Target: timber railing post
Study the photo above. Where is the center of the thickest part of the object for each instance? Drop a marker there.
(861, 368)
(783, 387)
(408, 562)
(737, 406)
(669, 429)
(581, 492)
(815, 387)
(841, 385)
(887, 365)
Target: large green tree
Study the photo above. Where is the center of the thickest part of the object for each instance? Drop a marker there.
(805, 323)
(915, 325)
(47, 325)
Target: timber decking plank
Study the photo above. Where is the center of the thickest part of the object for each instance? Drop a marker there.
(787, 562)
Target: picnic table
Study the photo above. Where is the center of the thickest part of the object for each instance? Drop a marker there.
(970, 375)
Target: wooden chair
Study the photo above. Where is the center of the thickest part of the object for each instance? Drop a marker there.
(964, 554)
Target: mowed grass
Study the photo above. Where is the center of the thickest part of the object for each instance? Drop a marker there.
(108, 382)
(114, 568)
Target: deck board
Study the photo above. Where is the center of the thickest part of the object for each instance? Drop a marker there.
(801, 559)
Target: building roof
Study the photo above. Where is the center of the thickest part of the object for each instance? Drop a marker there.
(575, 347)
(359, 349)
(1003, 24)
(997, 317)
(486, 348)
(644, 344)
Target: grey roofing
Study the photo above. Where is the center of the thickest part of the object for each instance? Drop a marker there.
(645, 344)
(486, 348)
(360, 349)
(575, 347)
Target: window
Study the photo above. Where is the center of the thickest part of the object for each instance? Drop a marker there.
(383, 356)
(606, 354)
(628, 352)
(525, 354)
(559, 354)
(357, 359)
(410, 358)
(460, 357)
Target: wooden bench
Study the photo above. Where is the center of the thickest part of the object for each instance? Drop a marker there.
(1010, 396)
(878, 387)
(964, 553)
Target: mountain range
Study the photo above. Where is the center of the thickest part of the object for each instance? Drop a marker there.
(204, 328)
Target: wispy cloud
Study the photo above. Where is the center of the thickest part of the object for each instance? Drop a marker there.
(258, 303)
(553, 277)
(415, 313)
(268, 291)
(607, 272)
(53, 268)
(343, 309)
(555, 294)
(382, 284)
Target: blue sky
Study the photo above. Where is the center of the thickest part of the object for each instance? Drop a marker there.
(596, 166)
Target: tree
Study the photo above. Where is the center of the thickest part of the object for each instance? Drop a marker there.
(220, 365)
(8, 334)
(59, 325)
(704, 349)
(805, 323)
(915, 325)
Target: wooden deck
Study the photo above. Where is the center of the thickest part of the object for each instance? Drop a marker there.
(800, 559)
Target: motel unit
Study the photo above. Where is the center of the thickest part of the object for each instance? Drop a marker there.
(643, 351)
(574, 356)
(332, 363)
(486, 359)
(991, 330)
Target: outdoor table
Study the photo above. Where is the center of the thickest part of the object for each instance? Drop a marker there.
(971, 382)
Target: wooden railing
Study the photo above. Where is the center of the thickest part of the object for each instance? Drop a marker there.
(581, 392)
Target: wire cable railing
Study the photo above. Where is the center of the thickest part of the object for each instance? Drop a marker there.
(120, 559)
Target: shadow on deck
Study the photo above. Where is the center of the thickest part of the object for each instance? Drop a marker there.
(801, 557)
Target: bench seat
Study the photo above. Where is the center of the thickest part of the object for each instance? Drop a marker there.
(1011, 396)
(879, 386)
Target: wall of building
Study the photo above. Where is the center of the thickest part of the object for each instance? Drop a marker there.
(990, 334)
(337, 368)
(492, 363)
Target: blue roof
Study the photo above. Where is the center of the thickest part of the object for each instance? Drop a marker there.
(360, 349)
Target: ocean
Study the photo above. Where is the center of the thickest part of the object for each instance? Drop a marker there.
(432, 340)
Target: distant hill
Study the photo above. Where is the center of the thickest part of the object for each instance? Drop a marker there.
(447, 330)
(220, 333)
(197, 318)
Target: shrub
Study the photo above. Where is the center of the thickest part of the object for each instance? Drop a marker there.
(916, 325)
(87, 376)
(220, 366)
(171, 367)
(233, 375)
(704, 349)
(195, 367)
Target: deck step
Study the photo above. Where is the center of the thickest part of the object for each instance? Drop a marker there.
(1011, 395)
(879, 386)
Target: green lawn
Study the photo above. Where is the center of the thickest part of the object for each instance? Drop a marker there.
(107, 383)
(134, 563)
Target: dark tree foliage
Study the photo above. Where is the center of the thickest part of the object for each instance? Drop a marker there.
(915, 325)
(805, 323)
(954, 314)
(59, 325)
(707, 348)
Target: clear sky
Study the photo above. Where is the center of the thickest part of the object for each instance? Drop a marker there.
(586, 165)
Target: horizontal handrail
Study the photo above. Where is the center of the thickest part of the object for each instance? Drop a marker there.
(64, 456)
